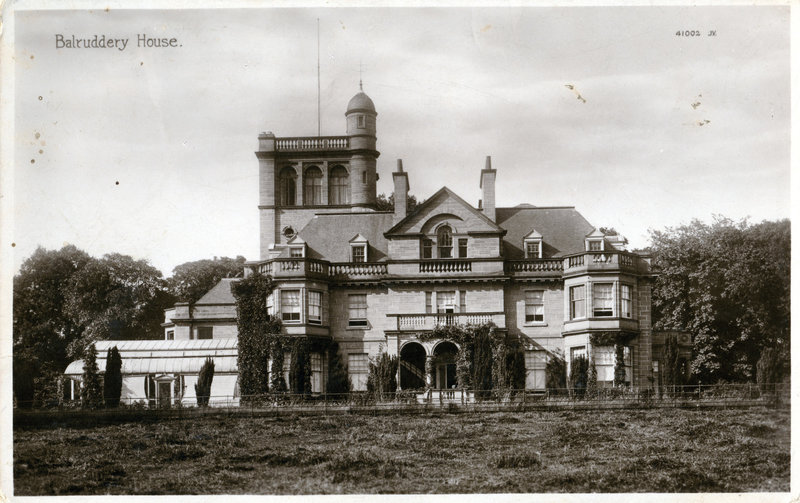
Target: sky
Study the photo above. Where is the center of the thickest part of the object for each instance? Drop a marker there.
(150, 151)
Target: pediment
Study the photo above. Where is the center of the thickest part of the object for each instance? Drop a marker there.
(445, 206)
(533, 234)
(358, 238)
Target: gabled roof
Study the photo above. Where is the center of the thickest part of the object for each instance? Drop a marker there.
(328, 235)
(563, 230)
(220, 294)
(358, 238)
(595, 234)
(296, 240)
(533, 234)
(414, 217)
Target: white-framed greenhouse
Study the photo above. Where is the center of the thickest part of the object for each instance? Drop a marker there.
(163, 373)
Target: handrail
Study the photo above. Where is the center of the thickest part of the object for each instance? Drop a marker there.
(304, 143)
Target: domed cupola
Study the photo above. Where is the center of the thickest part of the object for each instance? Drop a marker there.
(360, 103)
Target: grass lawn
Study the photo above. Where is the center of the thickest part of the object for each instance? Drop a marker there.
(661, 450)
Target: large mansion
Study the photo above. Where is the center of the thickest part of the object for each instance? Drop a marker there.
(375, 280)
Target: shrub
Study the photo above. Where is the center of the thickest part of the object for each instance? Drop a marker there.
(464, 366)
(203, 387)
(300, 368)
(578, 374)
(338, 379)
(112, 384)
(619, 366)
(591, 380)
(382, 376)
(556, 373)
(91, 390)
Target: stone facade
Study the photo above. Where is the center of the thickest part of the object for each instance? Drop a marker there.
(373, 281)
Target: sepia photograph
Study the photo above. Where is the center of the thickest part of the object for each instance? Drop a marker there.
(360, 250)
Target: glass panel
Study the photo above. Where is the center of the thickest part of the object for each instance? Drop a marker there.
(339, 186)
(312, 186)
(534, 306)
(577, 306)
(462, 247)
(288, 187)
(290, 305)
(602, 299)
(444, 238)
(314, 311)
(427, 248)
(358, 309)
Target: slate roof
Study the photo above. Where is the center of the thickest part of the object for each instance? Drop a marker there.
(328, 235)
(220, 294)
(563, 230)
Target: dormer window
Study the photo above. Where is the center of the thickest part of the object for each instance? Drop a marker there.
(595, 241)
(533, 245)
(297, 247)
(358, 249)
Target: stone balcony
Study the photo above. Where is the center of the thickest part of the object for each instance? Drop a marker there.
(312, 143)
(606, 261)
(429, 321)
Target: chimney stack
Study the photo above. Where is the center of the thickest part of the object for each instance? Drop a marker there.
(401, 187)
(487, 184)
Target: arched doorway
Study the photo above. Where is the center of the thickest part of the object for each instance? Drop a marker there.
(412, 366)
(444, 364)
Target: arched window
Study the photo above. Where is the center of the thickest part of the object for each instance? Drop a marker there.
(312, 186)
(444, 241)
(339, 186)
(288, 184)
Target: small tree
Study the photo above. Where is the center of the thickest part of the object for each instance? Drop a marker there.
(620, 376)
(671, 373)
(300, 368)
(91, 391)
(112, 384)
(515, 369)
(203, 387)
(591, 380)
(338, 379)
(578, 373)
(556, 372)
(382, 377)
(464, 366)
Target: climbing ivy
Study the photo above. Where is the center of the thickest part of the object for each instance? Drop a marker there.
(257, 333)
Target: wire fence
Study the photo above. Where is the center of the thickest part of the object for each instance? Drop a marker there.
(415, 401)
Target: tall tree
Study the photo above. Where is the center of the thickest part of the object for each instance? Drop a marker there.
(338, 379)
(300, 367)
(112, 383)
(671, 372)
(728, 283)
(191, 280)
(91, 389)
(42, 328)
(257, 333)
(116, 298)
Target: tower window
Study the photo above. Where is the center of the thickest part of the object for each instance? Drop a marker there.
(339, 188)
(444, 238)
(288, 186)
(362, 122)
(312, 186)
(364, 177)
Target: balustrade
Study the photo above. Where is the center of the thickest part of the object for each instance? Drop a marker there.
(313, 143)
(439, 266)
(430, 321)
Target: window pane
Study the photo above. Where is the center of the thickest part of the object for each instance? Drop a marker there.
(595, 245)
(534, 306)
(445, 300)
(532, 249)
(312, 186)
(358, 253)
(602, 299)
(625, 291)
(271, 304)
(339, 186)
(462, 247)
(358, 309)
(295, 252)
(205, 332)
(314, 311)
(427, 248)
(577, 306)
(290, 305)
(428, 302)
(444, 238)
(287, 184)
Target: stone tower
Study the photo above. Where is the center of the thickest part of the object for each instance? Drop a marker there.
(303, 176)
